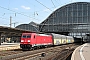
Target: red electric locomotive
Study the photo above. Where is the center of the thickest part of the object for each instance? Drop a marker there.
(32, 40)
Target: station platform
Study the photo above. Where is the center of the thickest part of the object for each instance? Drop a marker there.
(82, 52)
(9, 46)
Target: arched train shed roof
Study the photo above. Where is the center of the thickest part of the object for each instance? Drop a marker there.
(73, 17)
(27, 27)
(63, 7)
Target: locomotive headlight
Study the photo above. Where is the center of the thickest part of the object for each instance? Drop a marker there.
(22, 40)
(28, 40)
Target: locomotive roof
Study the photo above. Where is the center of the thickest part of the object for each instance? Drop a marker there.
(43, 34)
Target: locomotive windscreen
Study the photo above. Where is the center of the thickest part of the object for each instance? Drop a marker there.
(26, 36)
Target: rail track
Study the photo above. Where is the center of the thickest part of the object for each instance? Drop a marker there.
(52, 53)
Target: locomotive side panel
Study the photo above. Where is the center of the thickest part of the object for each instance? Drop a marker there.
(43, 39)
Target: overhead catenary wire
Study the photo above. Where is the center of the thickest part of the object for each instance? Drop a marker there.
(35, 12)
(53, 4)
(57, 2)
(17, 12)
(3, 18)
(36, 7)
(43, 5)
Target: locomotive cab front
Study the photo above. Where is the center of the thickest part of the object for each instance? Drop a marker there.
(26, 40)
